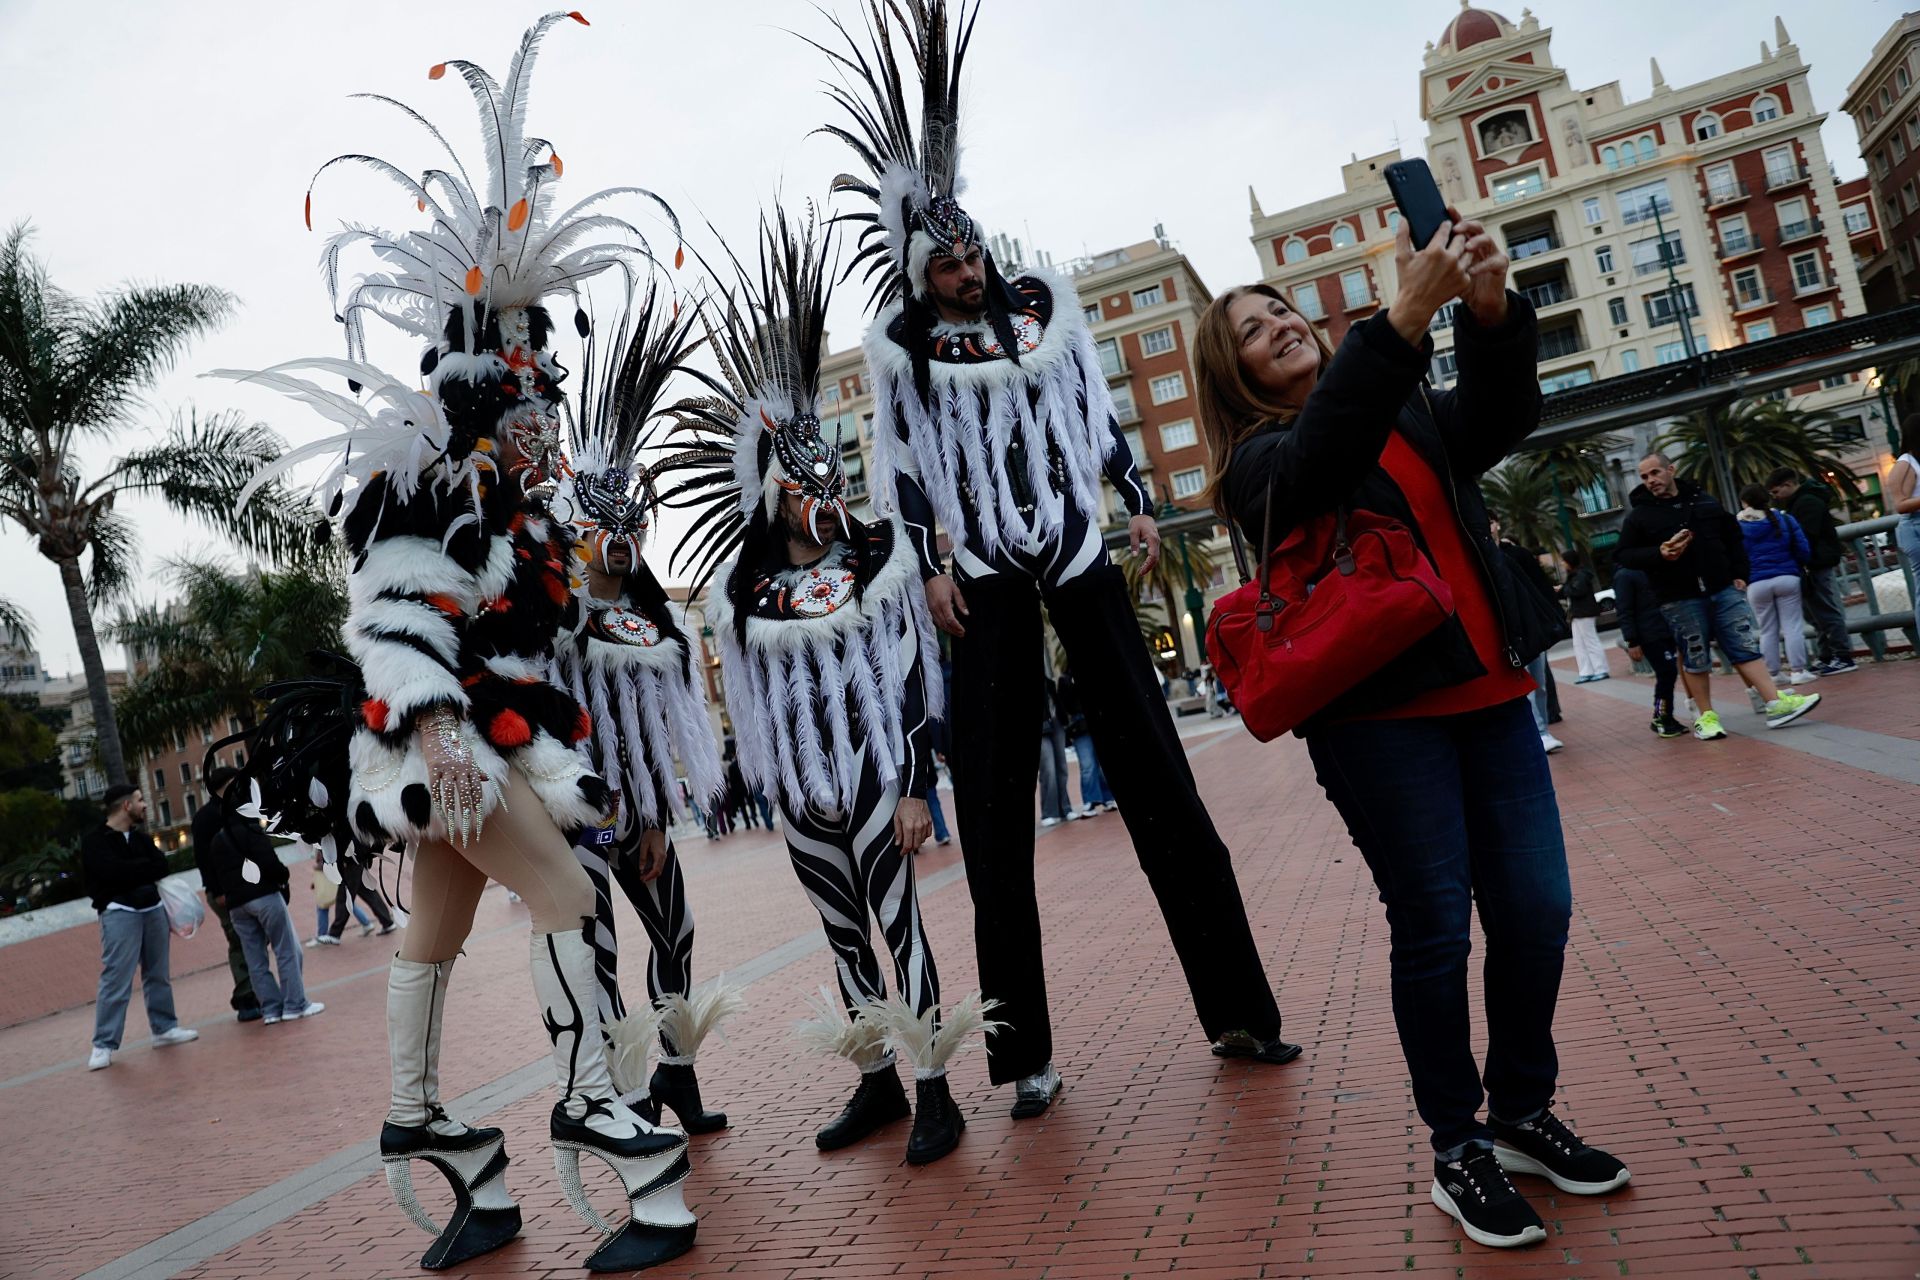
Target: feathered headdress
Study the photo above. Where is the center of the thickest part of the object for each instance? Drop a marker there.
(489, 247)
(472, 282)
(606, 492)
(758, 435)
(912, 149)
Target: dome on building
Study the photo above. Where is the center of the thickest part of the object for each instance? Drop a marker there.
(1473, 26)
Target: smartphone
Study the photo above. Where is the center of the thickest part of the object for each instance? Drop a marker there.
(1419, 199)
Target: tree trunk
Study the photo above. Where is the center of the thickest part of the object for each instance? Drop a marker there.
(106, 729)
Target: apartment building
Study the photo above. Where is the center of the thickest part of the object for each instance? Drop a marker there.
(1884, 101)
(1700, 217)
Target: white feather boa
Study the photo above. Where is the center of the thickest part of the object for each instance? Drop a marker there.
(958, 453)
(652, 700)
(797, 689)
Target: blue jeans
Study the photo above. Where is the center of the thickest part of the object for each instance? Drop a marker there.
(1093, 783)
(1537, 700)
(1053, 773)
(263, 926)
(1449, 811)
(939, 818)
(128, 938)
(1725, 617)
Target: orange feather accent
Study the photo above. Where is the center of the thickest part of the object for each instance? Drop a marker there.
(679, 256)
(309, 210)
(771, 424)
(420, 205)
(437, 70)
(517, 216)
(474, 277)
(576, 16)
(558, 168)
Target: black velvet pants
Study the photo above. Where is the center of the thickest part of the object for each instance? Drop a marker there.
(994, 718)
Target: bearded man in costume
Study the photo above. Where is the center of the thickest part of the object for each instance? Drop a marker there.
(992, 421)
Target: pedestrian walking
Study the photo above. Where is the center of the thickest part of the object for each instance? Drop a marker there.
(329, 898)
(1094, 795)
(1903, 496)
(1433, 759)
(206, 821)
(1584, 612)
(353, 885)
(123, 868)
(1811, 503)
(1644, 632)
(1693, 553)
(1777, 553)
(1055, 805)
(249, 882)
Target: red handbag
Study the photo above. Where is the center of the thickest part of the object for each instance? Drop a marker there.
(1341, 597)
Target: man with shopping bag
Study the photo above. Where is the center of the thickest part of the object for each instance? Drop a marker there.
(123, 868)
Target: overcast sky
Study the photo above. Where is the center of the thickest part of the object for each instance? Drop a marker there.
(161, 140)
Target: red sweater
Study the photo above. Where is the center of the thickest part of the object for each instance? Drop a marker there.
(1459, 567)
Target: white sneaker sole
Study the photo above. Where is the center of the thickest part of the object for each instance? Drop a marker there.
(1515, 1161)
(1444, 1202)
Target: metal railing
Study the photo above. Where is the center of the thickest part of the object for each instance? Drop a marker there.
(1867, 557)
(1824, 281)
(1533, 246)
(1805, 229)
(1636, 213)
(1556, 343)
(1753, 302)
(1725, 193)
(1550, 294)
(1740, 248)
(1781, 178)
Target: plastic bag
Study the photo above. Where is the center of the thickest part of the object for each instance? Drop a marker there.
(185, 912)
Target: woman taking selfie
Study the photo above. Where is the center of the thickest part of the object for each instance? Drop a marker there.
(1432, 759)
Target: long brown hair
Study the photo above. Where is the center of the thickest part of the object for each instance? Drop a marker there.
(1231, 406)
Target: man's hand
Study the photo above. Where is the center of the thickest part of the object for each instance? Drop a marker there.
(1739, 584)
(1634, 652)
(947, 605)
(1144, 530)
(912, 824)
(1676, 546)
(653, 855)
(220, 901)
(1486, 291)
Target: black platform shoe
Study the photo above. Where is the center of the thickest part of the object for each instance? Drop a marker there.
(675, 1087)
(878, 1102)
(937, 1122)
(474, 1163)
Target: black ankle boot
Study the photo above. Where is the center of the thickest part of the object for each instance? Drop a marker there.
(879, 1101)
(675, 1086)
(937, 1122)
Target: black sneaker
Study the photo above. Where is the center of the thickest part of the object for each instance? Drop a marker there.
(1476, 1192)
(1546, 1148)
(1668, 727)
(1838, 667)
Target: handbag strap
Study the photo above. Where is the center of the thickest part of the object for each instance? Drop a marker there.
(1342, 549)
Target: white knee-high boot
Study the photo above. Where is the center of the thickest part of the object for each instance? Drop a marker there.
(589, 1118)
(473, 1161)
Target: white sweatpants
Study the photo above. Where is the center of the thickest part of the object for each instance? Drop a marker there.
(1587, 649)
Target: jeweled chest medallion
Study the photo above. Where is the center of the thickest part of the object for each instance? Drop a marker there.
(624, 626)
(821, 592)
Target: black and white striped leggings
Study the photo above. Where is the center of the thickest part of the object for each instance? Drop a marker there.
(851, 866)
(662, 907)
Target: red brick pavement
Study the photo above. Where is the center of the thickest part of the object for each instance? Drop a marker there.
(1737, 1022)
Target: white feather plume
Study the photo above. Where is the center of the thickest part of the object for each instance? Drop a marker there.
(687, 1020)
(859, 1039)
(929, 1040)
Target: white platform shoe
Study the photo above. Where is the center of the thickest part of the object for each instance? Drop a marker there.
(589, 1119)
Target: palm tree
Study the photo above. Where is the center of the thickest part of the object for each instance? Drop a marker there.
(229, 634)
(1169, 580)
(1756, 438)
(1520, 496)
(70, 370)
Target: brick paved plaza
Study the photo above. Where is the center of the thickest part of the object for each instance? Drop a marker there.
(1737, 1022)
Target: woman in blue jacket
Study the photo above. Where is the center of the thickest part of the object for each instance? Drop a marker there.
(1777, 549)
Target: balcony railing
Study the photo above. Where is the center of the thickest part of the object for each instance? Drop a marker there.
(1745, 302)
(1635, 214)
(1533, 246)
(1821, 282)
(1353, 304)
(1676, 256)
(1864, 229)
(1555, 343)
(1805, 229)
(1738, 248)
(1721, 194)
(1550, 294)
(1780, 178)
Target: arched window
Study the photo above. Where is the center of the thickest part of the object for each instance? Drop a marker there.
(1646, 148)
(1766, 107)
(1706, 125)
(1343, 235)
(1609, 157)
(1294, 250)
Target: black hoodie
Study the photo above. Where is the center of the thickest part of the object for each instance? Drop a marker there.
(1713, 561)
(1811, 504)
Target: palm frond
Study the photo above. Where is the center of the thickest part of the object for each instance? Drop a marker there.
(199, 468)
(115, 558)
(14, 622)
(128, 339)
